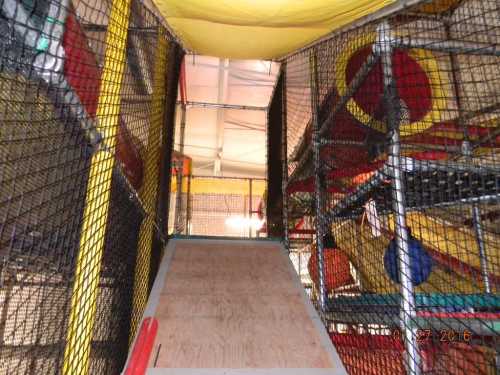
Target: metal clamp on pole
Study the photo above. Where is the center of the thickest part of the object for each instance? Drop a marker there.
(394, 118)
(318, 183)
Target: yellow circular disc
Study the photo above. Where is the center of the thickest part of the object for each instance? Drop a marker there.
(425, 60)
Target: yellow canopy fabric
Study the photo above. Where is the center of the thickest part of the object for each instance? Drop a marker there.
(258, 29)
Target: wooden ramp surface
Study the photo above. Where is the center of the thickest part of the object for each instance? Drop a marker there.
(225, 304)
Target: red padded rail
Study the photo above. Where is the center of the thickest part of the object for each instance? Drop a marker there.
(139, 359)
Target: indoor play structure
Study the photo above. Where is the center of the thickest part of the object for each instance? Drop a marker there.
(381, 205)
(396, 157)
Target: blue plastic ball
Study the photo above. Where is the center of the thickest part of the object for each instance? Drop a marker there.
(420, 262)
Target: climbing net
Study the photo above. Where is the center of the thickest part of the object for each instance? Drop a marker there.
(84, 87)
(393, 169)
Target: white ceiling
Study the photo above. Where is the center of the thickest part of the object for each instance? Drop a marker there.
(235, 139)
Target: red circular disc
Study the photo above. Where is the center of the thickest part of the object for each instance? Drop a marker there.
(411, 81)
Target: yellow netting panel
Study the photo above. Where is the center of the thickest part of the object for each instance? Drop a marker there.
(87, 94)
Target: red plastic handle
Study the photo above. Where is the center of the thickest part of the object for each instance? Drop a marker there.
(139, 359)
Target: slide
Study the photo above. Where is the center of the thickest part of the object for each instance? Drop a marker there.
(232, 307)
(366, 253)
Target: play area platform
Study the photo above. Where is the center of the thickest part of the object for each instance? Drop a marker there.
(234, 307)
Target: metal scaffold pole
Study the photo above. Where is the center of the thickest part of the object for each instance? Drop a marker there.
(178, 221)
(179, 174)
(250, 209)
(478, 228)
(188, 204)
(467, 152)
(284, 158)
(318, 183)
(394, 119)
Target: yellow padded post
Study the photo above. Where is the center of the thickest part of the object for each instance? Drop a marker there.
(88, 264)
(150, 184)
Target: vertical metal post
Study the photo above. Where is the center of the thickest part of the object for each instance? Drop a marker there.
(175, 58)
(98, 195)
(188, 203)
(466, 150)
(284, 158)
(393, 110)
(8, 282)
(179, 175)
(478, 227)
(150, 184)
(250, 207)
(318, 181)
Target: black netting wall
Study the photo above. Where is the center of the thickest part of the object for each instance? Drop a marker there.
(83, 129)
(393, 191)
(274, 198)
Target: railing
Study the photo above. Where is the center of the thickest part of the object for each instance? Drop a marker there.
(219, 206)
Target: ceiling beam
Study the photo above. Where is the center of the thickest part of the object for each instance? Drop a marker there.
(224, 106)
(221, 97)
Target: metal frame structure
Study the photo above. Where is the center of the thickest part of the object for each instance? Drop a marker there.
(319, 194)
(395, 168)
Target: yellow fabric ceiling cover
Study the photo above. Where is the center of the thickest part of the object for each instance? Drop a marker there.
(258, 29)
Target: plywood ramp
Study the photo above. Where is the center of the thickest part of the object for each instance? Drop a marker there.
(228, 304)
